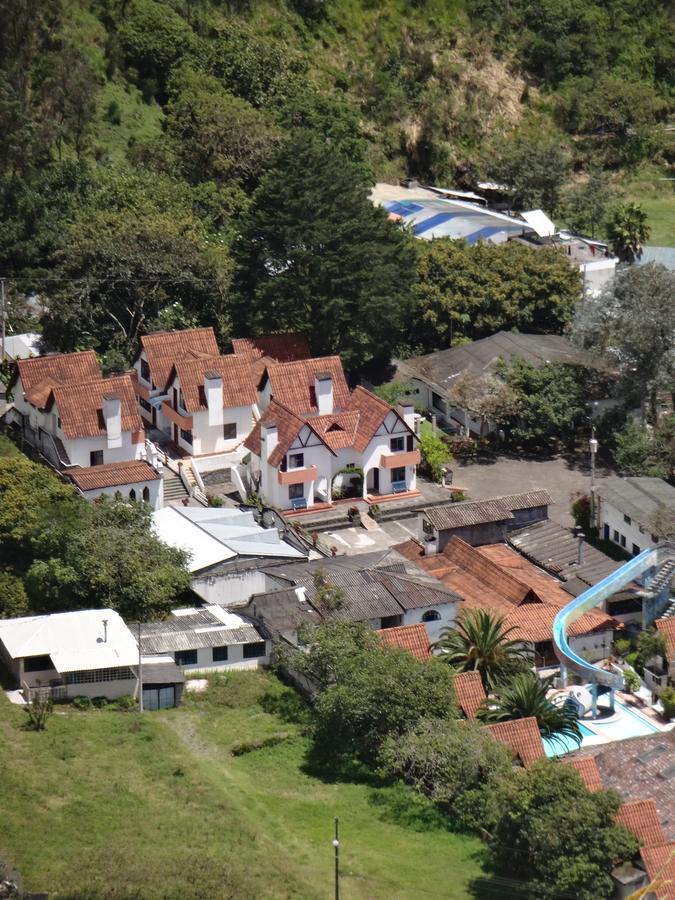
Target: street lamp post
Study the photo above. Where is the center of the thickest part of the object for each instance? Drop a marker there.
(336, 844)
(593, 444)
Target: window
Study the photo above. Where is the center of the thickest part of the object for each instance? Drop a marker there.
(58, 421)
(219, 654)
(409, 443)
(132, 494)
(636, 549)
(145, 371)
(295, 491)
(431, 616)
(251, 651)
(623, 540)
(655, 538)
(181, 400)
(185, 657)
(615, 536)
(37, 663)
(437, 402)
(146, 494)
(391, 621)
(397, 444)
(398, 474)
(186, 435)
(626, 519)
(91, 676)
(96, 458)
(144, 404)
(230, 431)
(296, 460)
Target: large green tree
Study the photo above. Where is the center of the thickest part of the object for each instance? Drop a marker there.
(316, 256)
(628, 231)
(472, 292)
(633, 321)
(557, 835)
(641, 450)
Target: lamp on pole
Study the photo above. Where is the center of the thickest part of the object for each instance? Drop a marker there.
(593, 445)
(336, 844)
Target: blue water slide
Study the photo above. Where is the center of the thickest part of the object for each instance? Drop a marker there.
(636, 568)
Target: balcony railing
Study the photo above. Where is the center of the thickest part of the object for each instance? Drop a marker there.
(298, 476)
(391, 460)
(176, 417)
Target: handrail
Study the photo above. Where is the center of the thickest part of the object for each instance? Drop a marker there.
(634, 568)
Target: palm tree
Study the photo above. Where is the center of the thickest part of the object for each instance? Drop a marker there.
(628, 231)
(479, 642)
(525, 696)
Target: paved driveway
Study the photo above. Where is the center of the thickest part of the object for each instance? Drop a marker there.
(562, 476)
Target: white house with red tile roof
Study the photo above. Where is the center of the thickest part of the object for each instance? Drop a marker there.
(313, 432)
(87, 426)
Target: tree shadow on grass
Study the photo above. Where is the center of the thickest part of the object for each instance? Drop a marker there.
(327, 766)
(288, 705)
(398, 804)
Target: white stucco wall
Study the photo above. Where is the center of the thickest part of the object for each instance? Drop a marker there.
(155, 487)
(593, 647)
(235, 659)
(448, 614)
(231, 588)
(610, 516)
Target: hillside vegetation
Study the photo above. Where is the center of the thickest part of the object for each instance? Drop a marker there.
(135, 132)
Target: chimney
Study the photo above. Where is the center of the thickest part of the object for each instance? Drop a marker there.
(323, 388)
(580, 556)
(213, 388)
(112, 416)
(269, 438)
(105, 631)
(406, 410)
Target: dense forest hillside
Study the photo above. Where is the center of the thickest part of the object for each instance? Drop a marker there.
(136, 132)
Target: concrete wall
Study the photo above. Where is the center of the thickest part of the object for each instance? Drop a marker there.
(631, 532)
(448, 614)
(235, 659)
(230, 588)
(155, 487)
(593, 647)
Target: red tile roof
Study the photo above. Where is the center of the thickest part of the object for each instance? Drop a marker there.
(544, 586)
(534, 622)
(239, 387)
(288, 427)
(642, 819)
(372, 412)
(80, 406)
(587, 767)
(164, 348)
(112, 475)
(413, 638)
(470, 692)
(666, 627)
(522, 736)
(279, 347)
(40, 374)
(659, 863)
(292, 383)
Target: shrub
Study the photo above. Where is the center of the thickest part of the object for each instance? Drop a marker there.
(622, 646)
(215, 501)
(435, 455)
(100, 702)
(631, 658)
(82, 702)
(126, 702)
(668, 700)
(631, 681)
(247, 746)
(375, 511)
(38, 710)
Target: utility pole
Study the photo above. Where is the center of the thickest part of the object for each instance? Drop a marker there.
(336, 844)
(2, 312)
(140, 672)
(593, 444)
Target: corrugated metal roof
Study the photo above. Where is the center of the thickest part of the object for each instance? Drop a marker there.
(170, 641)
(638, 498)
(473, 512)
(556, 549)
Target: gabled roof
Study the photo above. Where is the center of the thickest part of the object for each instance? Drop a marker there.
(238, 380)
(533, 622)
(279, 611)
(192, 629)
(372, 412)
(470, 693)
(638, 498)
(413, 638)
(80, 406)
(282, 348)
(478, 512)
(659, 863)
(76, 641)
(41, 374)
(556, 549)
(92, 478)
(164, 348)
(587, 767)
(292, 383)
(641, 819)
(289, 425)
(666, 627)
(522, 736)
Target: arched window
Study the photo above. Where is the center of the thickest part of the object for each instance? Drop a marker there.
(431, 616)
(146, 494)
(132, 494)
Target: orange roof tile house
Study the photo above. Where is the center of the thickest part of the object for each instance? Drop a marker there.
(86, 426)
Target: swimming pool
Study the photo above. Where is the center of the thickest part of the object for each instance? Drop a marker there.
(626, 724)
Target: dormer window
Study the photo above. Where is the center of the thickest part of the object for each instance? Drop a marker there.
(145, 371)
(296, 460)
(397, 444)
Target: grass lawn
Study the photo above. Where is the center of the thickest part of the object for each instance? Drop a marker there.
(657, 198)
(108, 804)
